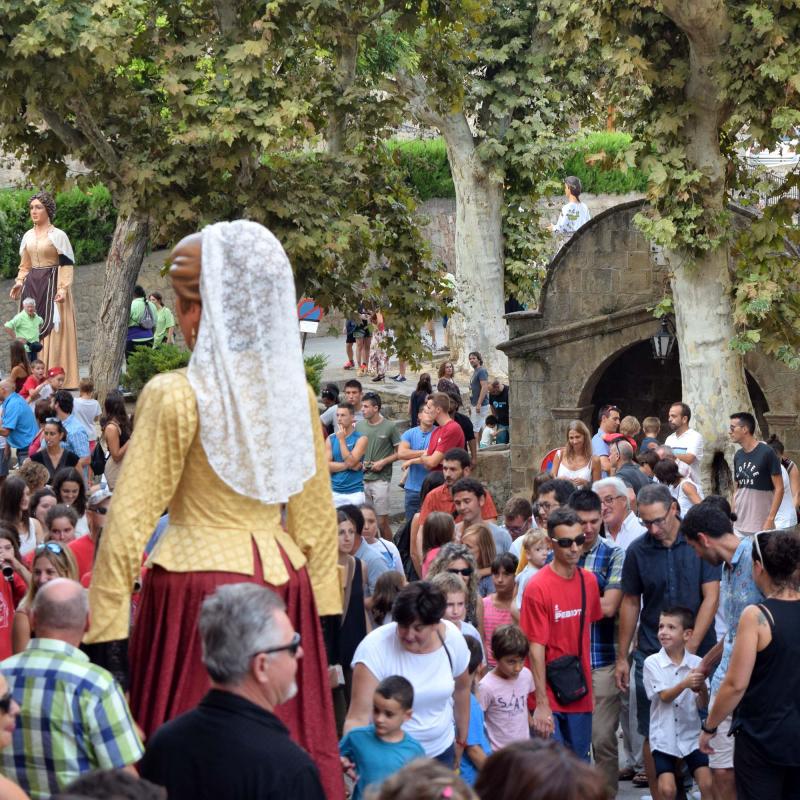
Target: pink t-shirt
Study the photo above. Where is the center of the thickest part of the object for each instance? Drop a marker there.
(505, 706)
(493, 617)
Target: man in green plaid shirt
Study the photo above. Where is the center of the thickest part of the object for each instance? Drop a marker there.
(73, 717)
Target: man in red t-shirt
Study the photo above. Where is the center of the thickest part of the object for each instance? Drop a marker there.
(551, 619)
(456, 465)
(445, 437)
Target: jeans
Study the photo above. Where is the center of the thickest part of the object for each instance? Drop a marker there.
(502, 434)
(574, 731)
(447, 757)
(412, 503)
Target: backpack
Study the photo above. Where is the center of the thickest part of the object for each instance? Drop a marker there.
(98, 460)
(402, 540)
(148, 320)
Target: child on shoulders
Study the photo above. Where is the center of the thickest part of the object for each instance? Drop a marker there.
(503, 692)
(676, 689)
(535, 544)
(380, 749)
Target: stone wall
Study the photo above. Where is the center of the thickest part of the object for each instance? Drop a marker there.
(87, 291)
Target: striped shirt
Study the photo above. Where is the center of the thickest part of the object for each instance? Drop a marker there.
(73, 719)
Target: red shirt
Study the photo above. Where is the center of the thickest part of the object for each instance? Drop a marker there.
(445, 438)
(551, 615)
(83, 550)
(31, 382)
(11, 592)
(440, 499)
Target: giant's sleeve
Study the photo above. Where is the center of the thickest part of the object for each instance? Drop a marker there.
(166, 425)
(311, 520)
(24, 260)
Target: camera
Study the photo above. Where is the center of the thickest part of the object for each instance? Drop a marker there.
(8, 571)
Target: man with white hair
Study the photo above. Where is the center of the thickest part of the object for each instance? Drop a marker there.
(621, 458)
(26, 325)
(73, 716)
(233, 745)
(621, 524)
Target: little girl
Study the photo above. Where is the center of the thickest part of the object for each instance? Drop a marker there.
(499, 608)
(387, 587)
(535, 544)
(387, 549)
(50, 560)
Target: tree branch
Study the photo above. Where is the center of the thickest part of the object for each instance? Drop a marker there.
(71, 138)
(346, 64)
(92, 132)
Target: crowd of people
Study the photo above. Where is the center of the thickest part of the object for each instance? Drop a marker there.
(254, 627)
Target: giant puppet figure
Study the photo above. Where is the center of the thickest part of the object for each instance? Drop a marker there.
(232, 447)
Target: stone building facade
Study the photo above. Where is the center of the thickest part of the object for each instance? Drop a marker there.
(589, 345)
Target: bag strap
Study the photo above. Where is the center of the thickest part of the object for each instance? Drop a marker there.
(446, 651)
(583, 614)
(768, 614)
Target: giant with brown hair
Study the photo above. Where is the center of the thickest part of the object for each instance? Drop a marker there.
(186, 258)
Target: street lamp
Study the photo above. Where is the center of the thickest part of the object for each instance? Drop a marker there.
(663, 341)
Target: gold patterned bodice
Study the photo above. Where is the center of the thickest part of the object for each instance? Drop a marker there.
(211, 527)
(41, 252)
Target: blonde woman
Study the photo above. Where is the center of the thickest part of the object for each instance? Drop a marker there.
(575, 462)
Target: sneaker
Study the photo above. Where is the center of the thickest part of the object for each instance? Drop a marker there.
(399, 378)
(349, 365)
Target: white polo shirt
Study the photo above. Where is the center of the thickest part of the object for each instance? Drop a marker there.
(689, 441)
(630, 529)
(674, 726)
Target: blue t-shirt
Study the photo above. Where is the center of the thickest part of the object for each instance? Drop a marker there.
(476, 735)
(375, 759)
(417, 440)
(348, 481)
(20, 421)
(480, 374)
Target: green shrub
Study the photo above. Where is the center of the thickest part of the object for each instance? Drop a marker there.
(86, 216)
(314, 366)
(424, 162)
(595, 158)
(145, 362)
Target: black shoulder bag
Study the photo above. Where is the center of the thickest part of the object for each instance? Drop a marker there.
(565, 674)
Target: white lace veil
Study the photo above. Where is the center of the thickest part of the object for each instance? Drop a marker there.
(247, 366)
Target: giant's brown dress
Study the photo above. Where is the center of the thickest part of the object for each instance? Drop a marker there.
(41, 276)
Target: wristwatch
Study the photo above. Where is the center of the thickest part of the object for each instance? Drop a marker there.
(712, 731)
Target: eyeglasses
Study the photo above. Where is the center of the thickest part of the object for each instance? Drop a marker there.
(548, 506)
(758, 554)
(653, 523)
(53, 547)
(466, 571)
(98, 509)
(5, 702)
(565, 541)
(609, 501)
(292, 648)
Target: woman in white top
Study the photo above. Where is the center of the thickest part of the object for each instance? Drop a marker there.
(574, 213)
(431, 653)
(685, 491)
(15, 503)
(575, 462)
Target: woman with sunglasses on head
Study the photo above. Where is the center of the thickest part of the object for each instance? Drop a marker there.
(762, 684)
(431, 653)
(50, 560)
(15, 503)
(70, 491)
(457, 559)
(9, 709)
(53, 455)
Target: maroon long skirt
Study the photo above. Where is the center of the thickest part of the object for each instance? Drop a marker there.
(168, 676)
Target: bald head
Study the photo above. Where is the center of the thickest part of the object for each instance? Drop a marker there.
(61, 610)
(6, 387)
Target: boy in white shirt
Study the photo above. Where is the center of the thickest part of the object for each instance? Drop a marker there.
(677, 690)
(489, 432)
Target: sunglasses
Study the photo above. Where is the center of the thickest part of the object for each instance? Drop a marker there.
(53, 547)
(291, 648)
(757, 544)
(98, 509)
(565, 541)
(53, 421)
(5, 702)
(466, 571)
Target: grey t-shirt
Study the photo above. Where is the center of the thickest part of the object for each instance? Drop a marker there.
(753, 473)
(381, 442)
(479, 375)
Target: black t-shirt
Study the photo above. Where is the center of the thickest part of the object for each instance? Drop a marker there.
(466, 426)
(500, 404)
(754, 470)
(229, 748)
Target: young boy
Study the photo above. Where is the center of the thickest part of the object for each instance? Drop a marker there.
(651, 427)
(456, 609)
(490, 431)
(536, 547)
(676, 689)
(30, 389)
(478, 748)
(87, 409)
(503, 693)
(26, 325)
(378, 750)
